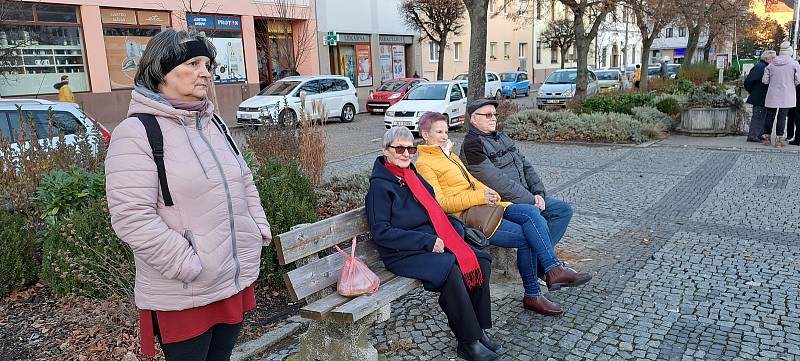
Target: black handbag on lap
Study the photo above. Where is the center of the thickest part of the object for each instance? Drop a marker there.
(473, 236)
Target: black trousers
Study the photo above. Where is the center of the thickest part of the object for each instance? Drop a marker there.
(793, 122)
(216, 344)
(780, 122)
(468, 311)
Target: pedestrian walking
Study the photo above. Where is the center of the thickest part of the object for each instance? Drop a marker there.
(637, 76)
(758, 94)
(782, 75)
(64, 91)
(663, 72)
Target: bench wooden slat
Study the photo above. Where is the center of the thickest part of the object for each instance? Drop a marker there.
(324, 272)
(322, 308)
(304, 241)
(362, 306)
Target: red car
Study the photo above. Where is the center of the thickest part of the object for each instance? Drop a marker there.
(389, 93)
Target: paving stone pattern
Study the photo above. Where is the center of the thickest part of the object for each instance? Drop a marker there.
(692, 261)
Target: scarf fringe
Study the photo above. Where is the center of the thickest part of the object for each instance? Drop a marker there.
(473, 279)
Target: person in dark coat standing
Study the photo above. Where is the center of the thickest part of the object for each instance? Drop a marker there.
(416, 239)
(758, 94)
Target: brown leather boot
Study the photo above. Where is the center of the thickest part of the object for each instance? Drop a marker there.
(778, 142)
(561, 276)
(767, 139)
(541, 305)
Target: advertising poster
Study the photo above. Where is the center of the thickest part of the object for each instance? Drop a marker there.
(363, 65)
(399, 61)
(123, 54)
(347, 63)
(230, 60)
(386, 63)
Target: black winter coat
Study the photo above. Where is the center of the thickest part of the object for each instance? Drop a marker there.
(754, 86)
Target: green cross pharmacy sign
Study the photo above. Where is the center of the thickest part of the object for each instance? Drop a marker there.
(332, 38)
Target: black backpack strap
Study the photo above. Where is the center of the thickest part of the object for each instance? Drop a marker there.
(224, 130)
(156, 140)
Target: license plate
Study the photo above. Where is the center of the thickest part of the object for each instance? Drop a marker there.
(248, 116)
(378, 110)
(402, 123)
(552, 101)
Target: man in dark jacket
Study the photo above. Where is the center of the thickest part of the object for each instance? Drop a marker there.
(758, 94)
(492, 157)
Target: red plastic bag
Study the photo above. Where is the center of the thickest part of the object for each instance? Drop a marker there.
(355, 278)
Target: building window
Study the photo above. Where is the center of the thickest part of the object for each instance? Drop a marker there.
(553, 55)
(506, 50)
(433, 52)
(668, 33)
(538, 9)
(522, 47)
(682, 32)
(491, 6)
(538, 52)
(523, 5)
(42, 42)
(225, 32)
(505, 7)
(552, 9)
(493, 51)
(603, 58)
(125, 35)
(457, 51)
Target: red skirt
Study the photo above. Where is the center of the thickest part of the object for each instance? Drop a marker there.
(177, 326)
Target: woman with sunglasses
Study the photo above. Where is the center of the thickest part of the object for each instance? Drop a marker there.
(522, 226)
(417, 240)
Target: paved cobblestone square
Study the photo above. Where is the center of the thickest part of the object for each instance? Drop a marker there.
(692, 261)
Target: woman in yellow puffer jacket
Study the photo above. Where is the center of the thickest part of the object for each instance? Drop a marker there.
(522, 226)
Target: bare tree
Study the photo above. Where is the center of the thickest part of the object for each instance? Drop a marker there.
(697, 17)
(651, 17)
(476, 88)
(291, 25)
(186, 7)
(559, 33)
(720, 25)
(593, 11)
(436, 20)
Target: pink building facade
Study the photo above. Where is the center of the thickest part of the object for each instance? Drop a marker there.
(98, 44)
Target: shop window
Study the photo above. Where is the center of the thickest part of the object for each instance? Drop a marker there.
(225, 32)
(42, 43)
(125, 34)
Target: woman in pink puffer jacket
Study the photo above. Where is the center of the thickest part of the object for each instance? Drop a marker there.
(198, 253)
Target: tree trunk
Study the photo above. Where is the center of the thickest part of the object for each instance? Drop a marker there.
(691, 45)
(708, 46)
(440, 65)
(477, 51)
(564, 50)
(582, 53)
(646, 45)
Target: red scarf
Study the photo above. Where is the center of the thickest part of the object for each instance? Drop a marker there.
(467, 261)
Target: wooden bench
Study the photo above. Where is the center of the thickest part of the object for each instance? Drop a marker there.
(337, 331)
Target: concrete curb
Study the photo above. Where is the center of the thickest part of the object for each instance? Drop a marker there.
(249, 349)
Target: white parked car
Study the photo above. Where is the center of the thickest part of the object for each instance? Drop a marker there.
(279, 103)
(493, 84)
(66, 119)
(446, 97)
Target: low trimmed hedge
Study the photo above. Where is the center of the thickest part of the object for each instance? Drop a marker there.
(615, 103)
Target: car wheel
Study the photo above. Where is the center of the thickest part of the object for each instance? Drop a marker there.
(287, 118)
(348, 113)
(514, 94)
(498, 96)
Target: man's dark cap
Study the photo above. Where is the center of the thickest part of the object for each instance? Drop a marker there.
(477, 103)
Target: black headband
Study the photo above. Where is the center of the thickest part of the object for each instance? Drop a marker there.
(193, 48)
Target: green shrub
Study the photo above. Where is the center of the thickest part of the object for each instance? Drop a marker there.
(615, 103)
(698, 73)
(650, 115)
(712, 95)
(667, 105)
(62, 191)
(341, 194)
(680, 87)
(732, 73)
(81, 254)
(538, 125)
(288, 199)
(18, 253)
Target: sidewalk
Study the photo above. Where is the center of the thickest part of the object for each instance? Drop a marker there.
(726, 143)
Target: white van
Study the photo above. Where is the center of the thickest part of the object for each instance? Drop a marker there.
(279, 103)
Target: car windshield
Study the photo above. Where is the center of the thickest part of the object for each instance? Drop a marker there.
(392, 86)
(428, 92)
(279, 87)
(607, 75)
(653, 71)
(508, 77)
(461, 77)
(562, 77)
(673, 68)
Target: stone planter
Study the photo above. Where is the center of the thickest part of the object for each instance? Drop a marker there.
(708, 121)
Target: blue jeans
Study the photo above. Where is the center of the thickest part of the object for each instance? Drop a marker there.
(558, 215)
(525, 228)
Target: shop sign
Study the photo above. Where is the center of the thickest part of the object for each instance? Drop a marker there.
(118, 16)
(201, 21)
(228, 23)
(153, 18)
(353, 38)
(396, 39)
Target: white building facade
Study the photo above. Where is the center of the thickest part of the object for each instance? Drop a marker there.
(619, 42)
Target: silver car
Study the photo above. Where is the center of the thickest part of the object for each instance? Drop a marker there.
(609, 79)
(559, 88)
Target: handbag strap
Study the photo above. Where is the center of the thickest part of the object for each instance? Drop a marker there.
(353, 248)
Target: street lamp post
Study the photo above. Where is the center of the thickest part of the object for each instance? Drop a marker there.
(794, 20)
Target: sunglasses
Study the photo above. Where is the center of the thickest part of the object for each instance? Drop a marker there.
(399, 149)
